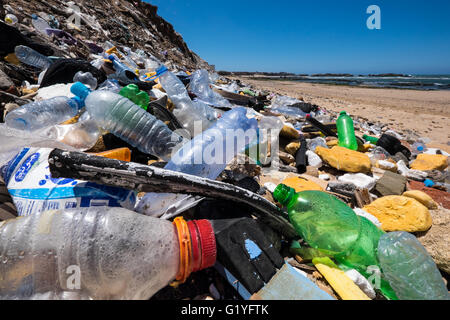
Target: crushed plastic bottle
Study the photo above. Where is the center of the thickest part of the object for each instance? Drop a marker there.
(110, 85)
(32, 57)
(86, 78)
(99, 253)
(228, 136)
(346, 132)
(187, 112)
(409, 268)
(41, 114)
(39, 24)
(418, 148)
(128, 121)
(316, 142)
(329, 225)
(200, 86)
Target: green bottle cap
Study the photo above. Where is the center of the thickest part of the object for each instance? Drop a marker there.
(343, 113)
(283, 194)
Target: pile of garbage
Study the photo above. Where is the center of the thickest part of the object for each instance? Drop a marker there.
(126, 176)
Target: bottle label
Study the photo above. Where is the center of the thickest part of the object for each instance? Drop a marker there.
(28, 179)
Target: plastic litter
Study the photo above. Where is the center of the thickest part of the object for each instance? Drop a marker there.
(31, 57)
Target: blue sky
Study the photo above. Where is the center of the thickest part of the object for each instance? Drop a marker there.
(304, 36)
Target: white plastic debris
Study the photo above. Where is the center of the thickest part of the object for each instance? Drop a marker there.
(360, 180)
(362, 213)
(361, 282)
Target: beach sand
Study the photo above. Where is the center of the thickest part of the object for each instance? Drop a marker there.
(425, 112)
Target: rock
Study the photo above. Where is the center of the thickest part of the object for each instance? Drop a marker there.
(391, 184)
(436, 239)
(345, 159)
(324, 176)
(423, 198)
(312, 171)
(300, 184)
(441, 197)
(411, 174)
(332, 143)
(398, 213)
(360, 180)
(292, 148)
(243, 164)
(288, 131)
(5, 81)
(429, 162)
(386, 165)
(341, 187)
(365, 147)
(313, 159)
(436, 175)
(286, 157)
(400, 156)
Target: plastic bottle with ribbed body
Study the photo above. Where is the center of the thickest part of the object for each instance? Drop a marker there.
(205, 156)
(409, 268)
(39, 24)
(187, 112)
(32, 57)
(128, 121)
(329, 225)
(346, 132)
(99, 253)
(45, 113)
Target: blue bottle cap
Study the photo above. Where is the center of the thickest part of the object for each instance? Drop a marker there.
(429, 183)
(80, 90)
(79, 102)
(34, 16)
(420, 148)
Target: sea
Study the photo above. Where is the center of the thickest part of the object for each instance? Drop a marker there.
(418, 82)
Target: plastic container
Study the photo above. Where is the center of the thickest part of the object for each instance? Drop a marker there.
(409, 268)
(11, 19)
(99, 253)
(45, 113)
(317, 142)
(329, 225)
(200, 86)
(346, 132)
(418, 148)
(187, 112)
(86, 78)
(225, 138)
(128, 121)
(39, 24)
(31, 57)
(123, 73)
(133, 93)
(372, 140)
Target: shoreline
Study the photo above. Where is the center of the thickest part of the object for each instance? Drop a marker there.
(426, 112)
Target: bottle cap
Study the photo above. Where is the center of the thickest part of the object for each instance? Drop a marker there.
(429, 183)
(78, 101)
(80, 90)
(34, 16)
(308, 116)
(420, 148)
(207, 243)
(342, 113)
(283, 194)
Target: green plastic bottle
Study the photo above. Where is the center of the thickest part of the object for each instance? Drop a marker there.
(133, 93)
(372, 140)
(346, 132)
(329, 225)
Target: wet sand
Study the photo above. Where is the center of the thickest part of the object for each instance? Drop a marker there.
(425, 112)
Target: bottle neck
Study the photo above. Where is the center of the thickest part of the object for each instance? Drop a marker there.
(197, 246)
(283, 194)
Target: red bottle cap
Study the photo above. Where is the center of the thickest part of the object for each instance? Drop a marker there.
(195, 244)
(207, 241)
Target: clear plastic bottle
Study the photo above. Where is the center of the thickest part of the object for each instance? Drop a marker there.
(31, 57)
(99, 253)
(199, 85)
(123, 73)
(228, 136)
(45, 113)
(317, 142)
(128, 121)
(86, 78)
(186, 111)
(409, 268)
(39, 24)
(11, 19)
(346, 132)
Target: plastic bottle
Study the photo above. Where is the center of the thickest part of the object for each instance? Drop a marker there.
(31, 57)
(225, 138)
(133, 93)
(418, 148)
(189, 115)
(40, 114)
(110, 85)
(99, 253)
(11, 19)
(123, 73)
(372, 140)
(317, 142)
(39, 24)
(199, 85)
(86, 78)
(128, 121)
(409, 268)
(324, 129)
(346, 132)
(329, 225)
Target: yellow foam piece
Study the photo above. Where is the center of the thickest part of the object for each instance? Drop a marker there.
(341, 283)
